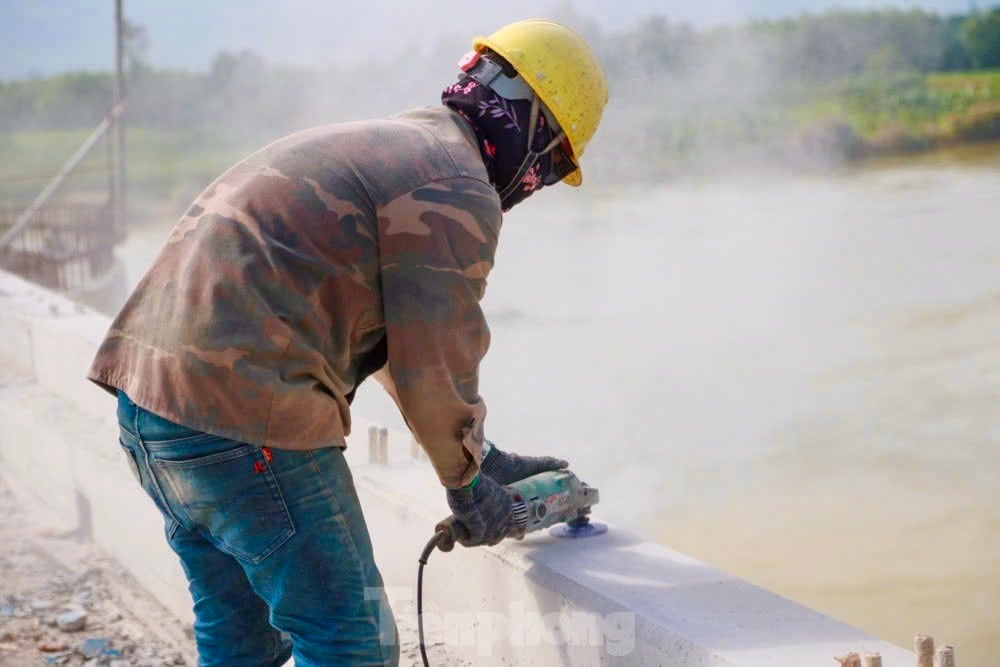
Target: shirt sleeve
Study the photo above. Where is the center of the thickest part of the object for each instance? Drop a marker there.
(436, 248)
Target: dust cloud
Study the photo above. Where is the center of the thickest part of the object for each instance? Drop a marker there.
(793, 377)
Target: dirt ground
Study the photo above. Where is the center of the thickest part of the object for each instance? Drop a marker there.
(65, 602)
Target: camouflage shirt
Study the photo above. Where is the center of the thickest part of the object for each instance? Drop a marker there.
(324, 257)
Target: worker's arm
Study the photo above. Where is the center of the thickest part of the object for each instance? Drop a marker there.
(436, 247)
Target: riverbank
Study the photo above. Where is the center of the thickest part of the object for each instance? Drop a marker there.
(903, 114)
(857, 119)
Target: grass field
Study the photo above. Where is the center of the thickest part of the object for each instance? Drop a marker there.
(976, 84)
(162, 164)
(910, 112)
(881, 114)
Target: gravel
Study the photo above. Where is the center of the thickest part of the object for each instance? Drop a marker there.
(68, 610)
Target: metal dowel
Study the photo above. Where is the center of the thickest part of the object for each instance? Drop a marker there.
(946, 656)
(372, 444)
(923, 646)
(873, 660)
(383, 445)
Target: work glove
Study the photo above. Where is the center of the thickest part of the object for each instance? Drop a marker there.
(487, 513)
(509, 468)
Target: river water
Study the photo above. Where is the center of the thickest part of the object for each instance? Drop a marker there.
(796, 380)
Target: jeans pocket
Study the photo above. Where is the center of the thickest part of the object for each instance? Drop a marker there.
(234, 496)
(133, 465)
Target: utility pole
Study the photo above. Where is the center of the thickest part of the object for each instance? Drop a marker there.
(112, 127)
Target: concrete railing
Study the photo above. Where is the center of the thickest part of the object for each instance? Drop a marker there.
(612, 599)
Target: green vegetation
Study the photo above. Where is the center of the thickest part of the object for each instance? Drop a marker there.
(163, 164)
(906, 112)
(820, 88)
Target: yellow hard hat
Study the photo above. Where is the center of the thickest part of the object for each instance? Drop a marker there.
(562, 70)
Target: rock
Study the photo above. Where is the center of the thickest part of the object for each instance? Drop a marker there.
(42, 605)
(129, 630)
(72, 621)
(51, 646)
(91, 648)
(832, 140)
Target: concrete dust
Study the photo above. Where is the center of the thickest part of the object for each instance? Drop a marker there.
(64, 602)
(805, 371)
(405, 612)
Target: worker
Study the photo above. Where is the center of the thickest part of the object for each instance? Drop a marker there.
(331, 255)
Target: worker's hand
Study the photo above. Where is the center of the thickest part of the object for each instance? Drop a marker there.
(509, 468)
(487, 513)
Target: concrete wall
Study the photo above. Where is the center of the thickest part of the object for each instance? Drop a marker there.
(614, 599)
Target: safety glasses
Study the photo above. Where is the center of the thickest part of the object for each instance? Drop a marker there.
(562, 164)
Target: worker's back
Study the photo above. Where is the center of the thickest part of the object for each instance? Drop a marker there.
(264, 310)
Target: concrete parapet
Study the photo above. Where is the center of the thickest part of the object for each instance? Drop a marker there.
(615, 599)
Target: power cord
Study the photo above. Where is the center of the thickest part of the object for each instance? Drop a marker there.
(431, 545)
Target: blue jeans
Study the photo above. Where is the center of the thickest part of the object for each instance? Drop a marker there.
(275, 548)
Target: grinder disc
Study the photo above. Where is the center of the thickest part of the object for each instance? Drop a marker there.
(576, 530)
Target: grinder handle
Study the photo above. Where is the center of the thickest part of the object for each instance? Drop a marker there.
(451, 530)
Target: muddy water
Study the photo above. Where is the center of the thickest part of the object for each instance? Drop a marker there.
(795, 380)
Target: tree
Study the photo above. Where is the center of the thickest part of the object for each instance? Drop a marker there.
(135, 44)
(886, 61)
(237, 70)
(954, 56)
(980, 35)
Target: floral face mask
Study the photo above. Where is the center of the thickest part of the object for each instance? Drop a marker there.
(516, 140)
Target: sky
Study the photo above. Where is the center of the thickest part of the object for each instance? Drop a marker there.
(41, 37)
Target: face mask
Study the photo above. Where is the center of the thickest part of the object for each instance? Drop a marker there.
(504, 128)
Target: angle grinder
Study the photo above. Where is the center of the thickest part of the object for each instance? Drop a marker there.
(556, 499)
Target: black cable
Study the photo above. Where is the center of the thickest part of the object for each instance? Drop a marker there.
(438, 536)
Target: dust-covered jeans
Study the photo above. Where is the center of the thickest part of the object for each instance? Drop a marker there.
(273, 543)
